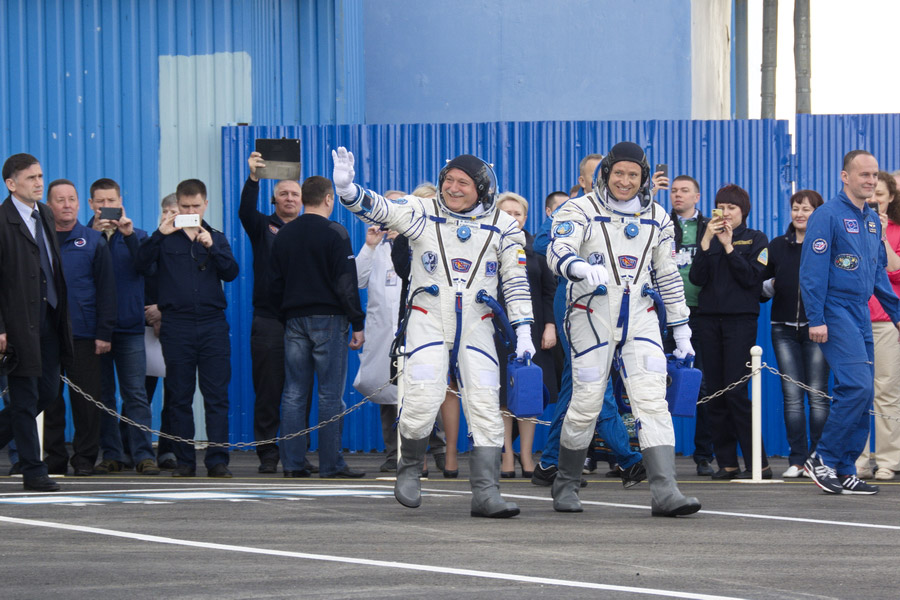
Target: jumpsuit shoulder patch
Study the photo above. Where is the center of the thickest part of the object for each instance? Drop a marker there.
(429, 261)
(763, 257)
(851, 225)
(400, 200)
(520, 256)
(461, 265)
(819, 246)
(564, 229)
(628, 262)
(848, 262)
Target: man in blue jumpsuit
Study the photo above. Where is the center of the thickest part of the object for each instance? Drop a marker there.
(841, 266)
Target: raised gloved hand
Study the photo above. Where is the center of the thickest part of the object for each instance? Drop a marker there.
(682, 335)
(593, 274)
(523, 341)
(343, 173)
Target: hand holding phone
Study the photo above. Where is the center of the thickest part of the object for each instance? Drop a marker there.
(182, 221)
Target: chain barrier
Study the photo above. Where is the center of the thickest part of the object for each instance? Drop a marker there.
(506, 413)
(237, 445)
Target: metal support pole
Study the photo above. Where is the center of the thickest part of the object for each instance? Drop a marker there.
(769, 58)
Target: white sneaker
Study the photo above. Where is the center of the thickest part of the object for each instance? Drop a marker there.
(793, 472)
(883, 474)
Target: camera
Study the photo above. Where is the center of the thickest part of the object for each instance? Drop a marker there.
(182, 221)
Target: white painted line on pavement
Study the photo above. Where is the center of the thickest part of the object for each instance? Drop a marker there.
(721, 513)
(367, 562)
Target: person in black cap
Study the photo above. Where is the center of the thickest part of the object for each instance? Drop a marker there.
(616, 248)
(461, 244)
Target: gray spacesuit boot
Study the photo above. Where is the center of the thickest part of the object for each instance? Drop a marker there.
(667, 500)
(568, 480)
(484, 477)
(408, 489)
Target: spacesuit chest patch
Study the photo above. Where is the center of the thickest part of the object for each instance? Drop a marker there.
(851, 225)
(872, 228)
(429, 261)
(461, 265)
(848, 262)
(490, 268)
(628, 262)
(595, 258)
(563, 229)
(402, 200)
(819, 246)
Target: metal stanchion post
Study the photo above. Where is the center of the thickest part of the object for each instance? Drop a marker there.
(756, 419)
(756, 410)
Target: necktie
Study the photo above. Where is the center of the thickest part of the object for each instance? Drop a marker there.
(45, 257)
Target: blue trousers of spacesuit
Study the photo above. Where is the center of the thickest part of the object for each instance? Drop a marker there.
(609, 424)
(850, 352)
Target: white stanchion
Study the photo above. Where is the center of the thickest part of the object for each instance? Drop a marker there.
(756, 419)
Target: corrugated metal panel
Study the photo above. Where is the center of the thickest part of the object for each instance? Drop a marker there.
(80, 84)
(823, 140)
(533, 159)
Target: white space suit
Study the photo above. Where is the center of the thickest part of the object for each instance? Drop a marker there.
(375, 272)
(638, 250)
(461, 255)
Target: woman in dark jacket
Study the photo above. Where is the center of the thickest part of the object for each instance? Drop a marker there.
(543, 332)
(797, 355)
(729, 267)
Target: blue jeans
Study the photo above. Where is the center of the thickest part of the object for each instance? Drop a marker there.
(609, 424)
(314, 346)
(802, 359)
(127, 362)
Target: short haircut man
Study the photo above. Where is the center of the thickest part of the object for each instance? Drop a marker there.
(192, 263)
(314, 287)
(92, 297)
(842, 264)
(126, 362)
(266, 330)
(34, 316)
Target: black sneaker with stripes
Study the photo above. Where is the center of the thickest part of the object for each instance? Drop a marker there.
(854, 485)
(822, 475)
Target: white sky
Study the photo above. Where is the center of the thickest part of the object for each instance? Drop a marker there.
(854, 57)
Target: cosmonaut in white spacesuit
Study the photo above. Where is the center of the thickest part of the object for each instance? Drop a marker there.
(461, 244)
(615, 245)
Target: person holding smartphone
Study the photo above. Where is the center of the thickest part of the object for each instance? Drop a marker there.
(729, 268)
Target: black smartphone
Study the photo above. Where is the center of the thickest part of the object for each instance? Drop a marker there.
(110, 213)
(663, 168)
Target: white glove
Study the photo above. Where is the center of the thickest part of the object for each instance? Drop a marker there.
(343, 173)
(523, 341)
(593, 274)
(682, 335)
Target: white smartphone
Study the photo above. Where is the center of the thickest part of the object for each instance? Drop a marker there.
(182, 221)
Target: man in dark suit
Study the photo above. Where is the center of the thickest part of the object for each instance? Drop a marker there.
(34, 319)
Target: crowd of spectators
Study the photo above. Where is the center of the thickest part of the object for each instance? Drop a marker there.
(101, 288)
